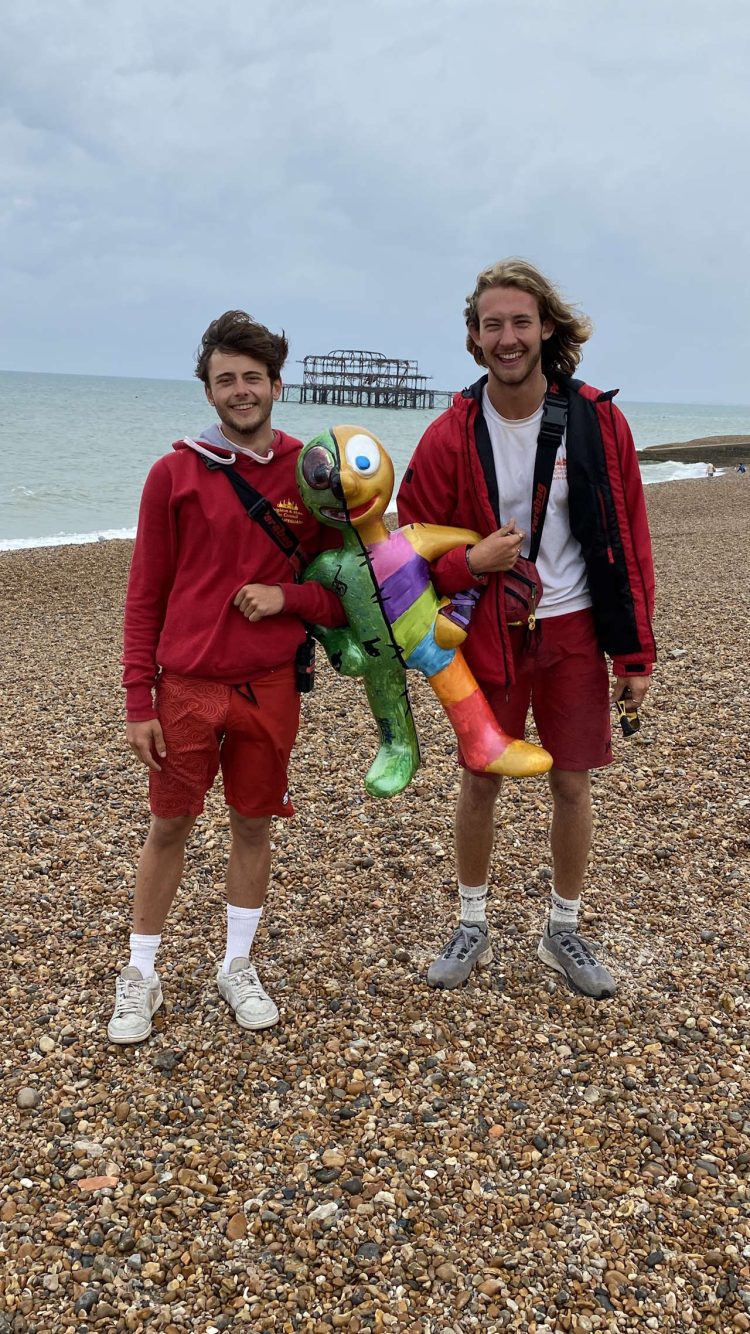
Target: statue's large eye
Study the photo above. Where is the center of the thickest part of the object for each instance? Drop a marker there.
(363, 455)
(316, 468)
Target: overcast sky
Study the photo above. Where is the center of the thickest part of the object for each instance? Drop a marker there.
(344, 170)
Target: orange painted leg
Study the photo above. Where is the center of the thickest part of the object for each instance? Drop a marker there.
(486, 747)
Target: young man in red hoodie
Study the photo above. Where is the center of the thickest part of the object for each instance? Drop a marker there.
(213, 622)
(475, 468)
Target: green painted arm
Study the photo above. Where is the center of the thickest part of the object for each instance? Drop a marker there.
(344, 652)
(323, 569)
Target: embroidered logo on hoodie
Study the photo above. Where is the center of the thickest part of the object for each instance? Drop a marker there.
(290, 512)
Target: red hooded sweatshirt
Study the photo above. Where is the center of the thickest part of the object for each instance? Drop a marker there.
(195, 548)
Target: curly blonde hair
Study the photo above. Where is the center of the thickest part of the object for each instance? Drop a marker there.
(562, 350)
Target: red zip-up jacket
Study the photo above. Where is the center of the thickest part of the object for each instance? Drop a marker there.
(451, 480)
(195, 548)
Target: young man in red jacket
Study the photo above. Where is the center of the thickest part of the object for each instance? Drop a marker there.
(213, 622)
(474, 468)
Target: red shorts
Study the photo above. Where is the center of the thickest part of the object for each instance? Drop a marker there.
(208, 726)
(563, 677)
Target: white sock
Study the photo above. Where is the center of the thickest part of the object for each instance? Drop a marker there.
(563, 913)
(242, 923)
(143, 953)
(473, 903)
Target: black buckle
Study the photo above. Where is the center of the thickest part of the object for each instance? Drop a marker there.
(555, 415)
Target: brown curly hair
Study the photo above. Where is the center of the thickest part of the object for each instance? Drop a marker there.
(236, 331)
(562, 350)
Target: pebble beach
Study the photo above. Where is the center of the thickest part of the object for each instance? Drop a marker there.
(507, 1156)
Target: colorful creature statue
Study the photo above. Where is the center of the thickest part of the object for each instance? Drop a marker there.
(396, 618)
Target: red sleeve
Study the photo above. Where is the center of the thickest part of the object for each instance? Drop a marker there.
(427, 494)
(639, 557)
(149, 583)
(313, 603)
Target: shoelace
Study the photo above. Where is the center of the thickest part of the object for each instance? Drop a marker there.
(577, 949)
(247, 984)
(460, 934)
(130, 996)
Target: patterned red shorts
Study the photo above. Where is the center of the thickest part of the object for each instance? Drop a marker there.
(565, 682)
(208, 727)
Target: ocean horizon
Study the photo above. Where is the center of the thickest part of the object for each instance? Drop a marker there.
(76, 448)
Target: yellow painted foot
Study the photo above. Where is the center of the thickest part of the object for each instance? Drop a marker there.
(447, 633)
(521, 760)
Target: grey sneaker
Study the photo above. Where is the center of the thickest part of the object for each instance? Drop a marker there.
(241, 989)
(468, 948)
(136, 1001)
(568, 953)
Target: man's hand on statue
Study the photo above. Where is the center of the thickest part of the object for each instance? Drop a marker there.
(146, 740)
(499, 551)
(257, 601)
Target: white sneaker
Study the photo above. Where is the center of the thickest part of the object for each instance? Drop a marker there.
(136, 1001)
(241, 989)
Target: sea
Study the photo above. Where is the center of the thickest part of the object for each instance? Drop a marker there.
(75, 449)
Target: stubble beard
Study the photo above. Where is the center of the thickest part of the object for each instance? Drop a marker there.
(246, 429)
(511, 382)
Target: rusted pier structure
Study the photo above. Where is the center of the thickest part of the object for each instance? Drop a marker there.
(350, 377)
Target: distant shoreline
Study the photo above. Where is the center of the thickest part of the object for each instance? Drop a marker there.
(724, 450)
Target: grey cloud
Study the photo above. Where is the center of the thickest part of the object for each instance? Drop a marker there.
(347, 170)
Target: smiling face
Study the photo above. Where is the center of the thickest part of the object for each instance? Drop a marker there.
(345, 477)
(242, 392)
(510, 334)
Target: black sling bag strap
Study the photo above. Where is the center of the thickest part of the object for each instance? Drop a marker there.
(522, 583)
(257, 507)
(551, 432)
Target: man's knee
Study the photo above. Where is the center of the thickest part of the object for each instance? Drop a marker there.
(253, 832)
(570, 787)
(480, 789)
(170, 833)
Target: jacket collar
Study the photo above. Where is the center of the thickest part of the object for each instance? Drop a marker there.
(557, 384)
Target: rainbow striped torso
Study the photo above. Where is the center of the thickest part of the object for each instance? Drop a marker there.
(409, 602)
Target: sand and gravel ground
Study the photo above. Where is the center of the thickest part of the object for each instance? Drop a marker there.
(504, 1157)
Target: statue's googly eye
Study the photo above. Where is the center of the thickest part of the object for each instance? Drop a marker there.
(316, 468)
(363, 455)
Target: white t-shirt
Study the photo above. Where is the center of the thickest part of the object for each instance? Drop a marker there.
(560, 563)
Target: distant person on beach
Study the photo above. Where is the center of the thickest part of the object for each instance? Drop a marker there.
(740, 467)
(475, 467)
(213, 624)
(710, 469)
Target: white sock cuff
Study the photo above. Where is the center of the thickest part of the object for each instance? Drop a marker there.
(237, 914)
(242, 924)
(143, 951)
(472, 891)
(564, 907)
(473, 903)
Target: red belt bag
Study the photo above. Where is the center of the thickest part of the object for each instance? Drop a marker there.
(522, 591)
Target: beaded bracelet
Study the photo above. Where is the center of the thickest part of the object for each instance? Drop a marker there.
(479, 578)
